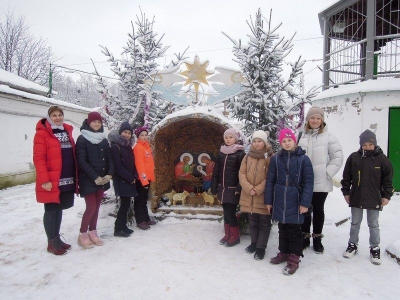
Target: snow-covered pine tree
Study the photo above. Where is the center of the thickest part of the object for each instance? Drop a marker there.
(268, 97)
(135, 102)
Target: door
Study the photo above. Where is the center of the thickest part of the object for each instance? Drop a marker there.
(394, 144)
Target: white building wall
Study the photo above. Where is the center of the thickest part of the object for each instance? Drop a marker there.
(348, 115)
(18, 119)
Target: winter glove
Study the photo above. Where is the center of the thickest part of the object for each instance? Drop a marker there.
(99, 181)
(106, 179)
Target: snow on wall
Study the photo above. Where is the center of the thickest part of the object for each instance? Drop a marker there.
(19, 83)
(350, 110)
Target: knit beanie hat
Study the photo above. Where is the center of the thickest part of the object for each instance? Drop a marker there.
(315, 110)
(286, 133)
(233, 132)
(368, 137)
(93, 116)
(259, 134)
(125, 126)
(140, 130)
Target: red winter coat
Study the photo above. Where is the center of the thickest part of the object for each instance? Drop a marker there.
(48, 161)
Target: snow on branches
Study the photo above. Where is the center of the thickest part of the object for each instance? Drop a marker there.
(269, 99)
(133, 100)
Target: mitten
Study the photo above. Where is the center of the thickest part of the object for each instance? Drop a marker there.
(99, 181)
(106, 179)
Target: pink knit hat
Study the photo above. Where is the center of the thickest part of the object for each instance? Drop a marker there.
(233, 132)
(286, 133)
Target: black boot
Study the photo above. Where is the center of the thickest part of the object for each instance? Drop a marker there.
(251, 248)
(306, 240)
(259, 255)
(318, 247)
(121, 233)
(127, 230)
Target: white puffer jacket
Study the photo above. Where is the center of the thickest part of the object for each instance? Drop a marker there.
(326, 155)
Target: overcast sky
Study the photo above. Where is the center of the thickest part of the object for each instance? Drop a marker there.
(75, 28)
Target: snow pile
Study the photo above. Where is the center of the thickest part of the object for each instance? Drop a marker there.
(182, 259)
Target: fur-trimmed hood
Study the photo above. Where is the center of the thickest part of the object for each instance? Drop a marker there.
(115, 138)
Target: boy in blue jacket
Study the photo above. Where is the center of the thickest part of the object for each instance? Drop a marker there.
(289, 189)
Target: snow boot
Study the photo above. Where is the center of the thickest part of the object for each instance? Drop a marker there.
(227, 235)
(235, 237)
(151, 222)
(121, 233)
(127, 230)
(84, 240)
(143, 226)
(318, 248)
(306, 240)
(350, 251)
(251, 248)
(292, 265)
(260, 253)
(95, 238)
(63, 244)
(54, 247)
(375, 255)
(279, 258)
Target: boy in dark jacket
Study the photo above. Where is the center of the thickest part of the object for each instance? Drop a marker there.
(288, 190)
(367, 184)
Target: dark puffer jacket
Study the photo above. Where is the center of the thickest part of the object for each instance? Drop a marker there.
(286, 193)
(367, 179)
(124, 163)
(94, 160)
(225, 178)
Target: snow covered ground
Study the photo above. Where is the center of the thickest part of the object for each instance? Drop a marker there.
(181, 259)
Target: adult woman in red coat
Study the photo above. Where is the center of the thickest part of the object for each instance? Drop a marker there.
(56, 177)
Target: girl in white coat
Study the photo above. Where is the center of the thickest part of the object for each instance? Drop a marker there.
(326, 155)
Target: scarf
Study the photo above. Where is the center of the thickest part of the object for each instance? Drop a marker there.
(257, 154)
(231, 149)
(53, 125)
(93, 137)
(115, 138)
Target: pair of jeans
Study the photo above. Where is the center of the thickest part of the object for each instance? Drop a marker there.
(260, 228)
(140, 203)
(120, 222)
(290, 239)
(230, 214)
(52, 217)
(89, 218)
(373, 225)
(317, 215)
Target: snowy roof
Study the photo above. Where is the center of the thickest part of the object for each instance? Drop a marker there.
(381, 85)
(15, 85)
(21, 84)
(192, 110)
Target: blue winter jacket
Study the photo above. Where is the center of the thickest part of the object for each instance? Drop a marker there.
(289, 184)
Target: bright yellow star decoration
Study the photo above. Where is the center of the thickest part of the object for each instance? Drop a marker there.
(196, 73)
